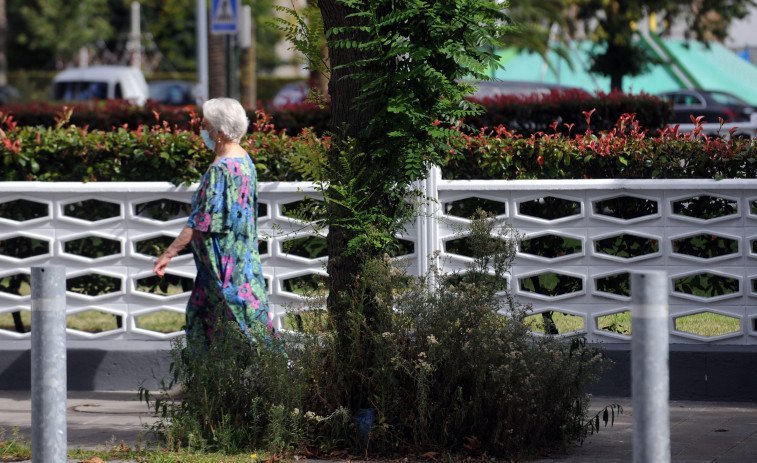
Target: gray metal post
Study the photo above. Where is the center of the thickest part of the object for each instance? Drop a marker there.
(48, 284)
(650, 388)
(201, 8)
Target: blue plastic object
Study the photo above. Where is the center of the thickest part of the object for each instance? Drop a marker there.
(364, 419)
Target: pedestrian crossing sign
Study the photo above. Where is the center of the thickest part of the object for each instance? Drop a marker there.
(223, 16)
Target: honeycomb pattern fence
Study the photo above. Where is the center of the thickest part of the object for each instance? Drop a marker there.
(581, 239)
(579, 242)
(107, 235)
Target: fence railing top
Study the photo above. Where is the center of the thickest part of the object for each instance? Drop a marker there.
(598, 184)
(136, 187)
(594, 184)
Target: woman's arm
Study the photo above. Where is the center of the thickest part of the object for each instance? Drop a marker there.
(186, 235)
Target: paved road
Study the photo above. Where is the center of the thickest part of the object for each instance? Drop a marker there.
(722, 432)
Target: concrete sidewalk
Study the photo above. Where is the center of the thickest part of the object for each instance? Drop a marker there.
(700, 431)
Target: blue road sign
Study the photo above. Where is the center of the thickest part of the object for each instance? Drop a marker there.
(223, 16)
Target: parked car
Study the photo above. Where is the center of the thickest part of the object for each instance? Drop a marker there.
(495, 88)
(101, 83)
(173, 92)
(9, 94)
(712, 104)
(295, 92)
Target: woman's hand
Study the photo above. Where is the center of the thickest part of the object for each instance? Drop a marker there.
(173, 250)
(161, 264)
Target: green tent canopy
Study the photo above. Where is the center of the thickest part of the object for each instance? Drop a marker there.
(710, 67)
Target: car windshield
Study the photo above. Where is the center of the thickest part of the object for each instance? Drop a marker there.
(79, 91)
(685, 99)
(172, 93)
(727, 98)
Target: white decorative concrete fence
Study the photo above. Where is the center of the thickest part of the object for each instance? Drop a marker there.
(582, 239)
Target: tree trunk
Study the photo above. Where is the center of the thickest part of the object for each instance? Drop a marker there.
(616, 81)
(3, 44)
(350, 302)
(346, 123)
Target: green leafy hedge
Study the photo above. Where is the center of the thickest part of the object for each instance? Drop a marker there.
(626, 151)
(162, 151)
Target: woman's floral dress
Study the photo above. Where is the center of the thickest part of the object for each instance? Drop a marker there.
(229, 275)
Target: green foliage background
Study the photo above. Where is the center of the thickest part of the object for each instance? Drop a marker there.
(47, 34)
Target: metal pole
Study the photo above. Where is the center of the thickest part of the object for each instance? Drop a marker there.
(202, 49)
(650, 388)
(48, 286)
(229, 68)
(135, 37)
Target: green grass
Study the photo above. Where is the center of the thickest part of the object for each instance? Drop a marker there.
(24, 289)
(6, 321)
(14, 447)
(703, 324)
(163, 322)
(91, 321)
(311, 321)
(164, 456)
(616, 323)
(565, 323)
(707, 324)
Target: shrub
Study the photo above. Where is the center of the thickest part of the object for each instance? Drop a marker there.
(100, 115)
(526, 115)
(110, 114)
(455, 370)
(228, 396)
(626, 151)
(159, 151)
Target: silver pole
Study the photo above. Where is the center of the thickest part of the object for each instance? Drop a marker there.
(202, 49)
(48, 286)
(135, 37)
(649, 367)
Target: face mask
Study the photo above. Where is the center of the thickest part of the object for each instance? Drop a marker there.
(209, 142)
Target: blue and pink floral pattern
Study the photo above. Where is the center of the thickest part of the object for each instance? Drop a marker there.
(229, 275)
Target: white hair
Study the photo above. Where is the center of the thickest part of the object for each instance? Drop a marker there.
(226, 115)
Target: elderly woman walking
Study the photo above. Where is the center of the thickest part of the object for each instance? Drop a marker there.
(222, 229)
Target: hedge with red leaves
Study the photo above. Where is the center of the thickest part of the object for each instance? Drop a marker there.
(626, 151)
(160, 151)
(529, 114)
(524, 115)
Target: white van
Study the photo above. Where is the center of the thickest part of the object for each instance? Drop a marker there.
(101, 83)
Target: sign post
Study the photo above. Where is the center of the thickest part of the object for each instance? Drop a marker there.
(224, 16)
(224, 20)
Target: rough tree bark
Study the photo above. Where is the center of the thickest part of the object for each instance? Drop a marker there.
(3, 42)
(351, 304)
(349, 120)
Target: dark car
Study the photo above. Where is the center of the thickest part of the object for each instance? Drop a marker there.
(173, 92)
(712, 104)
(9, 94)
